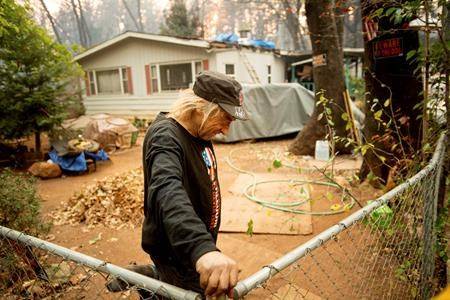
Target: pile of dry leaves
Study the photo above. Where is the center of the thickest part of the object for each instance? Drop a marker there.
(114, 201)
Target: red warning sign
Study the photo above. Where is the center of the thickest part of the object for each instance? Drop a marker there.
(388, 48)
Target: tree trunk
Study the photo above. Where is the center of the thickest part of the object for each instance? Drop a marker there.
(139, 13)
(303, 45)
(52, 21)
(339, 20)
(84, 27)
(37, 143)
(79, 26)
(130, 14)
(292, 24)
(389, 76)
(324, 40)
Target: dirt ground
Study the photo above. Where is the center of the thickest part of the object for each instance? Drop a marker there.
(122, 247)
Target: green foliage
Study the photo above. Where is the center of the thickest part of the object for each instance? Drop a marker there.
(19, 210)
(179, 22)
(250, 227)
(357, 90)
(401, 271)
(381, 218)
(277, 164)
(139, 123)
(20, 204)
(34, 73)
(441, 243)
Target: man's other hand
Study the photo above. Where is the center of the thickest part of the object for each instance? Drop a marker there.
(218, 274)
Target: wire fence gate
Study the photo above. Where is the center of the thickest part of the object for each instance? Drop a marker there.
(383, 251)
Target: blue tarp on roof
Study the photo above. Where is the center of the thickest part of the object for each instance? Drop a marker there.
(262, 44)
(232, 38)
(227, 38)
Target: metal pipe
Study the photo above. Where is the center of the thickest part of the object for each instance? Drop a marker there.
(159, 287)
(246, 285)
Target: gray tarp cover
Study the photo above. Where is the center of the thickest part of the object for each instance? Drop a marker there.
(275, 109)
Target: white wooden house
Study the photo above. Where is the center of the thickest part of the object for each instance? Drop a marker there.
(141, 74)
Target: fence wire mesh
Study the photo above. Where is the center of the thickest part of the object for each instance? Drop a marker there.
(35, 269)
(383, 251)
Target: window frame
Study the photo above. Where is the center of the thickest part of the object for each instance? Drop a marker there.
(172, 64)
(193, 63)
(155, 88)
(123, 80)
(94, 84)
(233, 75)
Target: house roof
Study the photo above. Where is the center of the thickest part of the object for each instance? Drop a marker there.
(192, 42)
(145, 36)
(218, 46)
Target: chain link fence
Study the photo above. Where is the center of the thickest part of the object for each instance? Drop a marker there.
(383, 251)
(36, 269)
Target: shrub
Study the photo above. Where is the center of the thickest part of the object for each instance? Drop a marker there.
(19, 210)
(20, 204)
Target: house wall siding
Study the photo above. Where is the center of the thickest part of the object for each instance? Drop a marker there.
(136, 106)
(259, 61)
(137, 53)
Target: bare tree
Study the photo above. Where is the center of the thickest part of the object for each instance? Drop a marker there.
(353, 25)
(293, 24)
(132, 17)
(290, 13)
(139, 13)
(52, 21)
(79, 25)
(84, 26)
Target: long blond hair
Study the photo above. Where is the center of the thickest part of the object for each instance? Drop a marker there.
(188, 104)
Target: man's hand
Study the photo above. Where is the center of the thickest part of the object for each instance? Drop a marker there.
(218, 273)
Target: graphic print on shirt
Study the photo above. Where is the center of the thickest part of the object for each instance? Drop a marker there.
(210, 162)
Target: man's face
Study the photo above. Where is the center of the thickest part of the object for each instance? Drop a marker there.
(219, 123)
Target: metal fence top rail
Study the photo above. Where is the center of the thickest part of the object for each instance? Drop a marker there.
(159, 287)
(246, 285)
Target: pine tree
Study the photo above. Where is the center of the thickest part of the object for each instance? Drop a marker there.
(177, 22)
(34, 73)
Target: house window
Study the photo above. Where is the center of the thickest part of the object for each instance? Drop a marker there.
(198, 67)
(109, 82)
(92, 82)
(175, 77)
(269, 73)
(154, 78)
(229, 70)
(124, 81)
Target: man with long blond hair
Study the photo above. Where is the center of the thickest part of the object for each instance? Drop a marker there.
(181, 187)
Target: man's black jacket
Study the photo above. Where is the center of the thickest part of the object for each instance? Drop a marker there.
(182, 200)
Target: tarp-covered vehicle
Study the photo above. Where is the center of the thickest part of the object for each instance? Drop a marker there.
(275, 110)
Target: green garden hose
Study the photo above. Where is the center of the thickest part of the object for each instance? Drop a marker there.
(250, 192)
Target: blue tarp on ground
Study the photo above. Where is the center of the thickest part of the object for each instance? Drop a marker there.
(76, 163)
